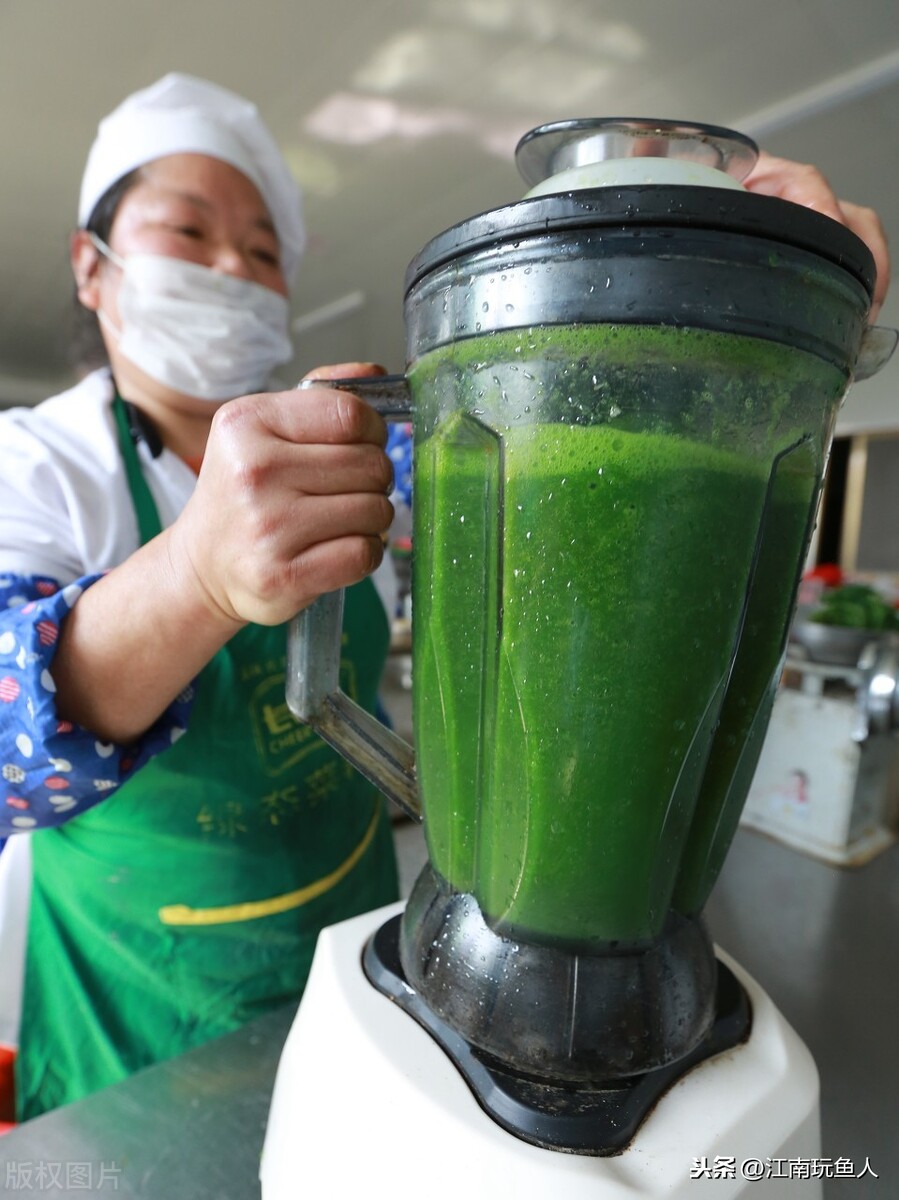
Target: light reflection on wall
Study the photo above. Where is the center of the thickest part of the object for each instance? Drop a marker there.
(352, 119)
(489, 69)
(508, 68)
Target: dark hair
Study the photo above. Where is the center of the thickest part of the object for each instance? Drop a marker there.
(87, 349)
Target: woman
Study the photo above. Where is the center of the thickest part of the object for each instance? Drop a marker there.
(190, 839)
(145, 610)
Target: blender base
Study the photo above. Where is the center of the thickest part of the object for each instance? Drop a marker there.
(366, 1097)
(573, 1119)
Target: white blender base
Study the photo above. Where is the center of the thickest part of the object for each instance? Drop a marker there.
(365, 1099)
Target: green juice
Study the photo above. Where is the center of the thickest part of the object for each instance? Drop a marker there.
(587, 539)
(780, 552)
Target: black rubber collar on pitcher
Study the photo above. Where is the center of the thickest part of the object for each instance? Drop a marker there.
(597, 1120)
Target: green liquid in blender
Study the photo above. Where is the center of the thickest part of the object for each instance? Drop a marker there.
(583, 555)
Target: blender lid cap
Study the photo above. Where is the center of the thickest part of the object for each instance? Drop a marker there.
(561, 145)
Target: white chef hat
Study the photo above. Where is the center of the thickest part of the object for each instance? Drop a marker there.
(180, 115)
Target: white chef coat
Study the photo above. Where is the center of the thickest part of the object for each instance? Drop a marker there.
(65, 507)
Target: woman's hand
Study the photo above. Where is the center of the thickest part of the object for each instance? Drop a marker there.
(804, 184)
(291, 501)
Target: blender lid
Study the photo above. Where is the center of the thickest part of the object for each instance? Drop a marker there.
(663, 208)
(561, 145)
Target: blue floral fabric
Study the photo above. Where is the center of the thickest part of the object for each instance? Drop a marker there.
(52, 770)
(399, 451)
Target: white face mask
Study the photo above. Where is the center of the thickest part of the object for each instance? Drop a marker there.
(197, 331)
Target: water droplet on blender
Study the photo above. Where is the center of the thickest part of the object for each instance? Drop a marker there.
(614, 410)
(608, 281)
(485, 307)
(510, 308)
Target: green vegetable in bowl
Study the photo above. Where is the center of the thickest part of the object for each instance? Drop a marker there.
(855, 605)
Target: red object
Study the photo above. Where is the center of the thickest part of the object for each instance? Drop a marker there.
(7, 1088)
(830, 574)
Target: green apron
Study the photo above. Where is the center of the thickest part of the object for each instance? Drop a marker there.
(190, 901)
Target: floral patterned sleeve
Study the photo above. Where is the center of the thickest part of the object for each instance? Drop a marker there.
(399, 451)
(52, 770)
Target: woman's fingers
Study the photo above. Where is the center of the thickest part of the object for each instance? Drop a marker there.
(799, 182)
(351, 370)
(867, 225)
(804, 184)
(281, 534)
(301, 416)
(316, 469)
(337, 563)
(291, 502)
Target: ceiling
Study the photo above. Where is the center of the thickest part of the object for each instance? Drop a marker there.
(400, 117)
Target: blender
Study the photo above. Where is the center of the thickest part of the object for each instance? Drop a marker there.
(623, 390)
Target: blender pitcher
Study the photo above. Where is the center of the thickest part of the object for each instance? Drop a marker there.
(624, 389)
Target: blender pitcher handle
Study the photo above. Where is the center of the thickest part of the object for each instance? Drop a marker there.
(313, 655)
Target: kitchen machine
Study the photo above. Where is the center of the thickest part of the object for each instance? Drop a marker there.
(623, 390)
(827, 780)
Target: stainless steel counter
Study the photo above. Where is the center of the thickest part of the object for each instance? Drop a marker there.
(190, 1128)
(819, 939)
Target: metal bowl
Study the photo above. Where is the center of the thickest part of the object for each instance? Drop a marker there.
(838, 645)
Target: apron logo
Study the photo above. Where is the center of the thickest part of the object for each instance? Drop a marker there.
(281, 740)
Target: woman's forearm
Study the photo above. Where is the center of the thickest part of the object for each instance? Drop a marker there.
(131, 643)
